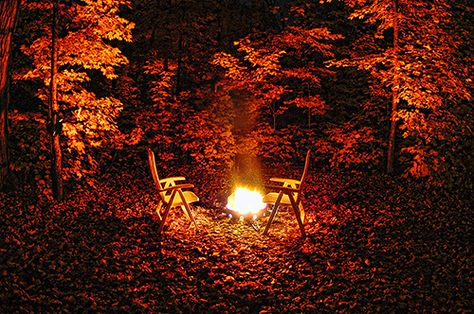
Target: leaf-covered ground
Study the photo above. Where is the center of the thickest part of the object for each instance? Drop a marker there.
(373, 244)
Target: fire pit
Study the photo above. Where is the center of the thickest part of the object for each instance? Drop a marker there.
(245, 203)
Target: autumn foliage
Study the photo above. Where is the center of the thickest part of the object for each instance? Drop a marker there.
(308, 75)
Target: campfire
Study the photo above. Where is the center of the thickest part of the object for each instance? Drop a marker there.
(245, 202)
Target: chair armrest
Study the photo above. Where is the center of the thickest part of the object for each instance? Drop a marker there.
(282, 188)
(172, 179)
(285, 180)
(178, 187)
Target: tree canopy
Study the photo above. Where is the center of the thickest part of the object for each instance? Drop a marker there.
(356, 81)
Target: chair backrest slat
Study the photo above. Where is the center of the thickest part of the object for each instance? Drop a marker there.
(305, 170)
(154, 171)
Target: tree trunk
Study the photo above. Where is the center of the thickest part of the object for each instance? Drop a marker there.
(55, 124)
(179, 65)
(179, 70)
(395, 88)
(274, 121)
(309, 118)
(8, 15)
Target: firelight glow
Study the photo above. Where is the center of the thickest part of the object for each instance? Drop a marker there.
(245, 201)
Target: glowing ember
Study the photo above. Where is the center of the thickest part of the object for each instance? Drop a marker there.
(245, 201)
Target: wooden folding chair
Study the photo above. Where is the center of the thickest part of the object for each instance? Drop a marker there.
(289, 194)
(171, 194)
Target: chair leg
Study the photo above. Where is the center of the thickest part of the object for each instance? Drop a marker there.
(158, 210)
(185, 211)
(273, 214)
(165, 214)
(297, 214)
(190, 214)
(188, 209)
(302, 213)
(159, 215)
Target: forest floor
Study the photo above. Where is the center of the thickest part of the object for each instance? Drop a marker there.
(373, 244)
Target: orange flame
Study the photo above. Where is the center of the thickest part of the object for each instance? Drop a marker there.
(245, 201)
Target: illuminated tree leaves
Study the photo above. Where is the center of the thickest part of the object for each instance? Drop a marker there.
(425, 74)
(89, 120)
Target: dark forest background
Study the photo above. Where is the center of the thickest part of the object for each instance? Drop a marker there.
(203, 81)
